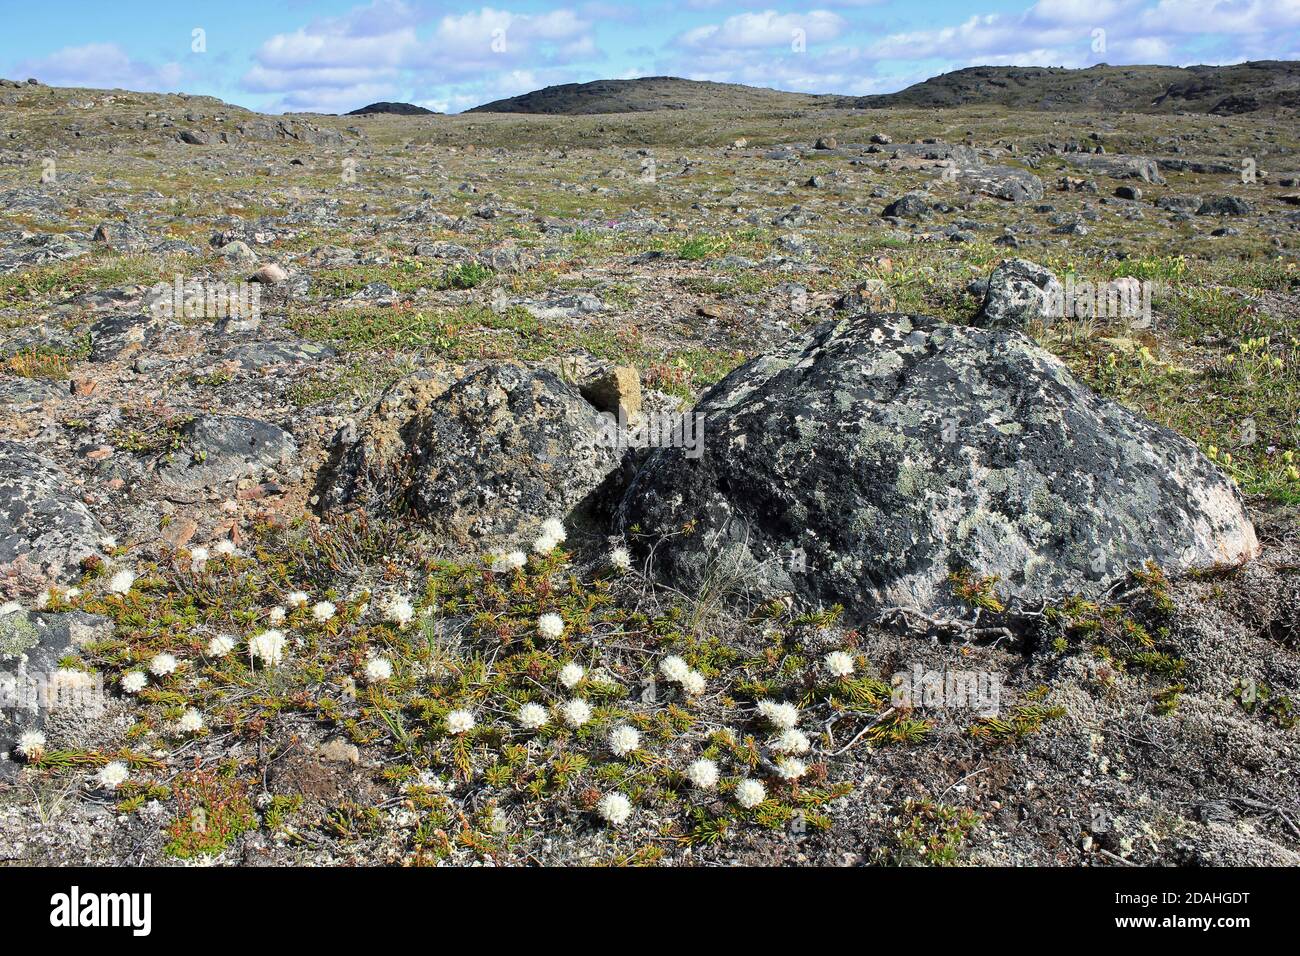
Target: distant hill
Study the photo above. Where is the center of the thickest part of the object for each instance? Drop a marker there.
(1240, 88)
(1265, 85)
(399, 109)
(649, 93)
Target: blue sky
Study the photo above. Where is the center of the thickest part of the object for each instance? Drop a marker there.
(335, 55)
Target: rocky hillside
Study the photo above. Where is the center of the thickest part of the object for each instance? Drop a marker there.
(646, 94)
(1267, 85)
(394, 109)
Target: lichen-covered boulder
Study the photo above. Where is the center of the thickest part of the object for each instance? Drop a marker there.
(36, 694)
(1118, 166)
(865, 461)
(1002, 182)
(45, 528)
(217, 450)
(1019, 292)
(482, 458)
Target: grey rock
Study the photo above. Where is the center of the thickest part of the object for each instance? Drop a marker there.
(238, 254)
(1224, 206)
(1001, 182)
(962, 155)
(1118, 166)
(866, 460)
(115, 336)
(1180, 164)
(483, 458)
(908, 206)
(258, 355)
(1018, 292)
(1179, 203)
(16, 392)
(34, 695)
(43, 524)
(219, 449)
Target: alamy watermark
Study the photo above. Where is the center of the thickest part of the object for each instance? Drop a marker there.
(1126, 299)
(207, 300)
(979, 691)
(652, 430)
(60, 690)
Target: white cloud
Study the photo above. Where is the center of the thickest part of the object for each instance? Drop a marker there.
(749, 31)
(1233, 17)
(102, 66)
(385, 46)
(1061, 32)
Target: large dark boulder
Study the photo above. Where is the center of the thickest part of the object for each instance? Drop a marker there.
(1224, 206)
(866, 460)
(483, 457)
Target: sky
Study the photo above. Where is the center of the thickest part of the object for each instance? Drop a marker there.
(336, 55)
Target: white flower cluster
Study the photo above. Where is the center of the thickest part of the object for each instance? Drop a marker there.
(575, 712)
(703, 774)
(323, 611)
(550, 626)
(268, 647)
(779, 715)
(676, 669)
(296, 599)
(614, 808)
(162, 665)
(790, 768)
(511, 561)
(378, 669)
(399, 610)
(571, 674)
(460, 722)
(122, 581)
(623, 740)
(750, 793)
(113, 775)
(839, 664)
(191, 722)
(221, 646)
(532, 716)
(31, 744)
(134, 681)
(551, 536)
(620, 559)
(792, 741)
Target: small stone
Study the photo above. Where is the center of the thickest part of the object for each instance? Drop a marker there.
(237, 253)
(338, 750)
(615, 390)
(270, 274)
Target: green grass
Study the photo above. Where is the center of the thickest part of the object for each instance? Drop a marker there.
(480, 332)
